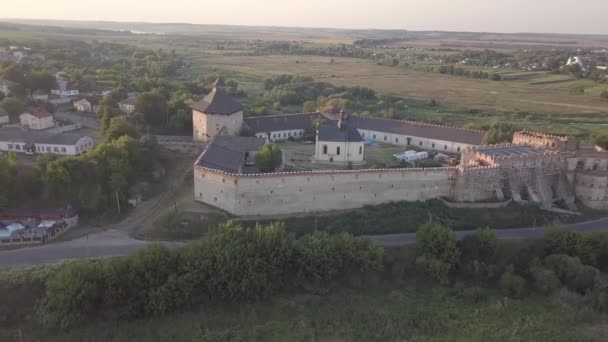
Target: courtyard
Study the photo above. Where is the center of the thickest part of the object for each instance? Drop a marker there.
(298, 157)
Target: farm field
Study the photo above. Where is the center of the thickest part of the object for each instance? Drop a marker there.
(456, 92)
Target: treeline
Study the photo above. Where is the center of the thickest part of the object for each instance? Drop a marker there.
(564, 263)
(457, 71)
(93, 183)
(286, 91)
(235, 265)
(230, 265)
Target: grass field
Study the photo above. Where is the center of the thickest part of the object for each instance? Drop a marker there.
(414, 312)
(457, 92)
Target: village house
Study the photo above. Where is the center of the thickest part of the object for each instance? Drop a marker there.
(15, 139)
(36, 118)
(88, 104)
(127, 106)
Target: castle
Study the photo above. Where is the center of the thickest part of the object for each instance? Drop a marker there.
(536, 168)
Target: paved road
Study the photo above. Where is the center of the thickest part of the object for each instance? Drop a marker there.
(117, 242)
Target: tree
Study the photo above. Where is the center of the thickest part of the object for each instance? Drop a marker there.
(500, 132)
(120, 126)
(604, 94)
(479, 253)
(309, 106)
(152, 105)
(390, 114)
(14, 73)
(268, 158)
(13, 106)
(40, 80)
(437, 251)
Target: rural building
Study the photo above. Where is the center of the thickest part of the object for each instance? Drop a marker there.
(283, 127)
(127, 106)
(216, 112)
(14, 139)
(36, 118)
(40, 95)
(64, 87)
(339, 143)
(88, 104)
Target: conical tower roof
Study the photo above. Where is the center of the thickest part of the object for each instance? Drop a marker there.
(217, 102)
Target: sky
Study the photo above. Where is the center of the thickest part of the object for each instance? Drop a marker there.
(551, 16)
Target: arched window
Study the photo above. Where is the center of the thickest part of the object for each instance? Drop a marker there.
(338, 150)
(360, 149)
(324, 149)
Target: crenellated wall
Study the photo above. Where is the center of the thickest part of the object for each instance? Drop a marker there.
(316, 191)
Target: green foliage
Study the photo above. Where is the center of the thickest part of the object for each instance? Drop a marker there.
(309, 106)
(74, 292)
(513, 285)
(572, 272)
(152, 106)
(268, 158)
(120, 126)
(604, 94)
(321, 258)
(544, 280)
(231, 264)
(559, 240)
(241, 264)
(13, 106)
(437, 251)
(500, 132)
(479, 254)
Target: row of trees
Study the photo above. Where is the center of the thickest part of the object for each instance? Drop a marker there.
(563, 260)
(451, 70)
(231, 264)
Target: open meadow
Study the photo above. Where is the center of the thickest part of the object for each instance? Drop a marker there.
(456, 92)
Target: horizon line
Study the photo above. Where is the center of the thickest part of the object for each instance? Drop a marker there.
(3, 20)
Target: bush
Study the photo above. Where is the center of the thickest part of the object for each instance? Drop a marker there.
(572, 272)
(268, 158)
(545, 280)
(604, 94)
(595, 249)
(479, 254)
(243, 264)
(559, 240)
(320, 258)
(73, 292)
(512, 285)
(437, 251)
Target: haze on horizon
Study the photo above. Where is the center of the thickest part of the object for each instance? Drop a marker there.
(546, 16)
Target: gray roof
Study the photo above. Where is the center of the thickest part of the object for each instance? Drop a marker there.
(217, 102)
(19, 135)
(510, 151)
(263, 124)
(331, 132)
(229, 153)
(420, 130)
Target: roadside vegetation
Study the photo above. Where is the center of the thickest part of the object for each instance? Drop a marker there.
(264, 283)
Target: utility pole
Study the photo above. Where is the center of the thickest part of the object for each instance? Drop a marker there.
(117, 202)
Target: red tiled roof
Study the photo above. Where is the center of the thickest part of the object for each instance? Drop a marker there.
(38, 112)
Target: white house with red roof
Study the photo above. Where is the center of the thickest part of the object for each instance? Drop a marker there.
(36, 118)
